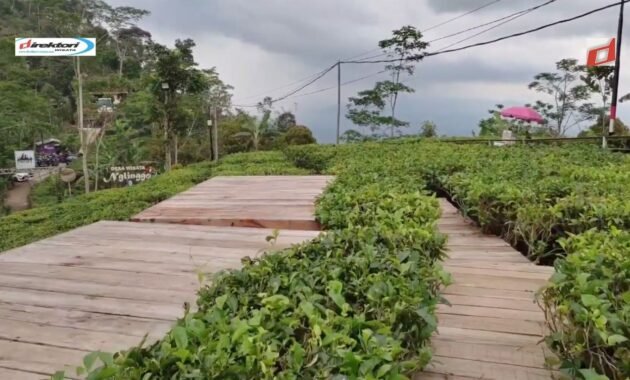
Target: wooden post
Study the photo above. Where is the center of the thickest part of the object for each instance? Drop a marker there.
(338, 100)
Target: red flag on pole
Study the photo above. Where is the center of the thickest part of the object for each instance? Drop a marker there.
(602, 55)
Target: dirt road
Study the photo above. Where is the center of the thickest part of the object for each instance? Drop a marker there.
(17, 197)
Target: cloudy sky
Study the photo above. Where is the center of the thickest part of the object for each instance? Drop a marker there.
(265, 47)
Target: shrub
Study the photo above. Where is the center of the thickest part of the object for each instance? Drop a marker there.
(311, 157)
(587, 305)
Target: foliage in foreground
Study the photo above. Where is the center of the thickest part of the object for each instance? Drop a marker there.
(587, 304)
(357, 302)
(121, 204)
(553, 202)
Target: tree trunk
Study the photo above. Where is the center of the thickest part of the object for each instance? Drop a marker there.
(84, 145)
(210, 144)
(121, 59)
(167, 151)
(176, 143)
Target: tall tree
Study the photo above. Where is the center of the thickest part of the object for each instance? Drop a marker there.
(366, 110)
(404, 48)
(599, 81)
(567, 92)
(175, 74)
(218, 101)
(124, 32)
(285, 121)
(428, 129)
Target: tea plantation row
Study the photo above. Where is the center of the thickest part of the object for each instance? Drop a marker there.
(551, 203)
(357, 302)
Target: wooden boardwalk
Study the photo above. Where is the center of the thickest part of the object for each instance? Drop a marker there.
(284, 202)
(493, 327)
(104, 286)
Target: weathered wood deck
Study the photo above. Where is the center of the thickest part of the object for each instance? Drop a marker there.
(284, 202)
(493, 327)
(104, 286)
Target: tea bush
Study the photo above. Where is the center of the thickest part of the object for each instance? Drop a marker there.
(357, 302)
(587, 304)
(551, 202)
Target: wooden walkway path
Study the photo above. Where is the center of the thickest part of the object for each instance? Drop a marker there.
(493, 327)
(284, 202)
(104, 286)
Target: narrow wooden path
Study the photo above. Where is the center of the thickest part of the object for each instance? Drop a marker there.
(104, 286)
(493, 328)
(284, 202)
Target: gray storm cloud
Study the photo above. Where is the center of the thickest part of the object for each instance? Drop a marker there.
(260, 45)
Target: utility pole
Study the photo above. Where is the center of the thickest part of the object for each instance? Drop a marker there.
(615, 94)
(338, 100)
(82, 137)
(215, 135)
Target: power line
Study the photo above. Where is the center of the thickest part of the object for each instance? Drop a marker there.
(342, 84)
(479, 26)
(284, 86)
(489, 42)
(325, 71)
(523, 13)
(429, 28)
(321, 75)
(509, 18)
(462, 15)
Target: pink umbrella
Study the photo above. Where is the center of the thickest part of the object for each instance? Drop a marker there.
(523, 113)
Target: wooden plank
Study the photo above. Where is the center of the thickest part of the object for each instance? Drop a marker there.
(525, 267)
(506, 272)
(474, 291)
(104, 305)
(497, 282)
(65, 337)
(107, 285)
(485, 323)
(526, 356)
(12, 374)
(263, 202)
(103, 276)
(492, 302)
(93, 290)
(438, 376)
(91, 321)
(486, 370)
(448, 331)
(40, 359)
(484, 311)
